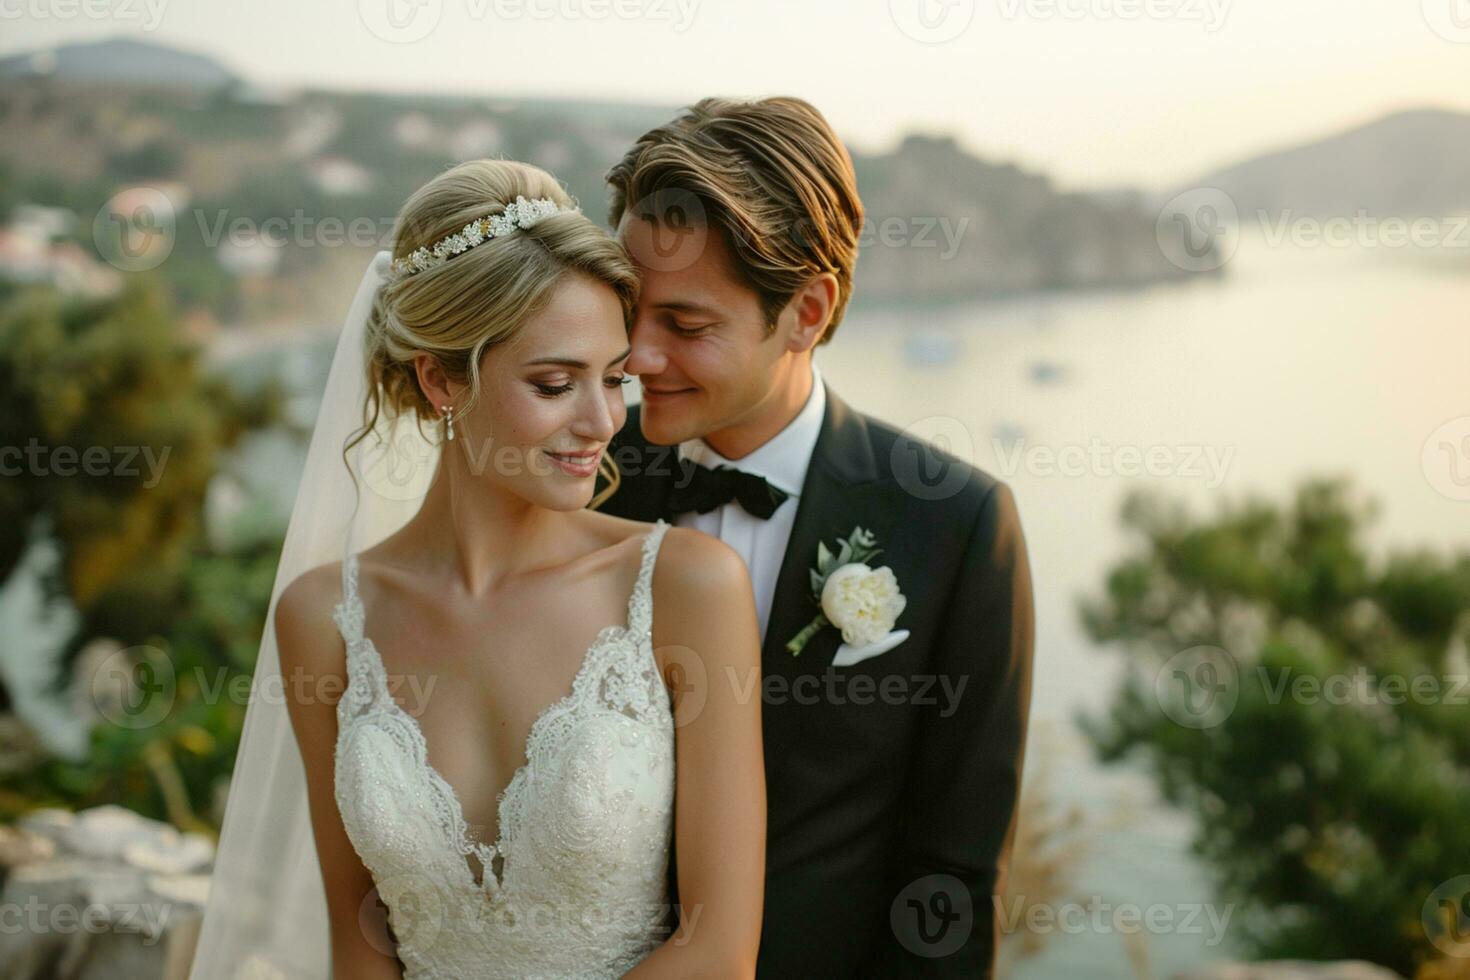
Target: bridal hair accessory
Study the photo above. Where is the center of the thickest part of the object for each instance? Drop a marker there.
(520, 213)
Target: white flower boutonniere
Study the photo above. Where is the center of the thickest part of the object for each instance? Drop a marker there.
(861, 601)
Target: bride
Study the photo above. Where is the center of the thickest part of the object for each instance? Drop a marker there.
(493, 689)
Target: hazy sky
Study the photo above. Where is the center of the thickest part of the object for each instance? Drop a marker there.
(1094, 92)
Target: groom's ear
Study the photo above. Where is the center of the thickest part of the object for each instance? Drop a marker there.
(810, 309)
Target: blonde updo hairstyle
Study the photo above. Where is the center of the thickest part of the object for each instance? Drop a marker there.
(483, 296)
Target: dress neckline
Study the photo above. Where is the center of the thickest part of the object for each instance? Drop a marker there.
(466, 842)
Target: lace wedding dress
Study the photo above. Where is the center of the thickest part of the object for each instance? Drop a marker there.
(575, 885)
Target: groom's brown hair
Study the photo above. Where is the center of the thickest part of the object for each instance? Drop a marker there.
(770, 175)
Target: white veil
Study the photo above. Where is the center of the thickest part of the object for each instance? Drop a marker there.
(267, 913)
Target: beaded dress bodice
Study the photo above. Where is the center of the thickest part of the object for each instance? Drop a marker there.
(575, 884)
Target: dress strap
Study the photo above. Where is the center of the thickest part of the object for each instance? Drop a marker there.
(349, 615)
(367, 679)
(640, 604)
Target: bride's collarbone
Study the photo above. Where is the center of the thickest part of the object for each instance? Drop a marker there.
(605, 570)
(522, 643)
(476, 674)
(536, 618)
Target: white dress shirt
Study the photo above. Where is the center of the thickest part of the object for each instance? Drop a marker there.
(783, 461)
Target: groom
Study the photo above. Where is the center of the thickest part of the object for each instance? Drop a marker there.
(893, 764)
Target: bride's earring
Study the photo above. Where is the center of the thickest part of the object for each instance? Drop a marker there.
(449, 422)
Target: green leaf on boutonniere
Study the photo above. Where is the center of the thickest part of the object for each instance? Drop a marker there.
(858, 547)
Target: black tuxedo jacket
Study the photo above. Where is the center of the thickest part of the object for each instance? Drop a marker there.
(892, 789)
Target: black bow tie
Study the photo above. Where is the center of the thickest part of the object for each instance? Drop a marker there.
(702, 489)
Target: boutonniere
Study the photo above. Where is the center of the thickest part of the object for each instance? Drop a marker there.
(861, 601)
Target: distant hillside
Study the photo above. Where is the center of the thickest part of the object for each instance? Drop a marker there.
(119, 60)
(943, 223)
(963, 226)
(1409, 164)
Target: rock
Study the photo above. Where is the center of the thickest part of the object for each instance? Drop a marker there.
(114, 833)
(1291, 970)
(19, 846)
(120, 897)
(180, 854)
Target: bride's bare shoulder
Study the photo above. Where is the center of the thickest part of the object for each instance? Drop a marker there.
(695, 570)
(306, 633)
(317, 589)
(703, 602)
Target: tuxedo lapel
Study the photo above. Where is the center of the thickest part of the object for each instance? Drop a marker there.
(843, 490)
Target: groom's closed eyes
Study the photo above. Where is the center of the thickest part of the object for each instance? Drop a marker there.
(686, 307)
(687, 318)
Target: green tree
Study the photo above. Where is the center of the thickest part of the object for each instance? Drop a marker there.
(110, 378)
(1331, 798)
(114, 379)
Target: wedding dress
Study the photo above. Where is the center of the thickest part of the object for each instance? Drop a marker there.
(575, 884)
